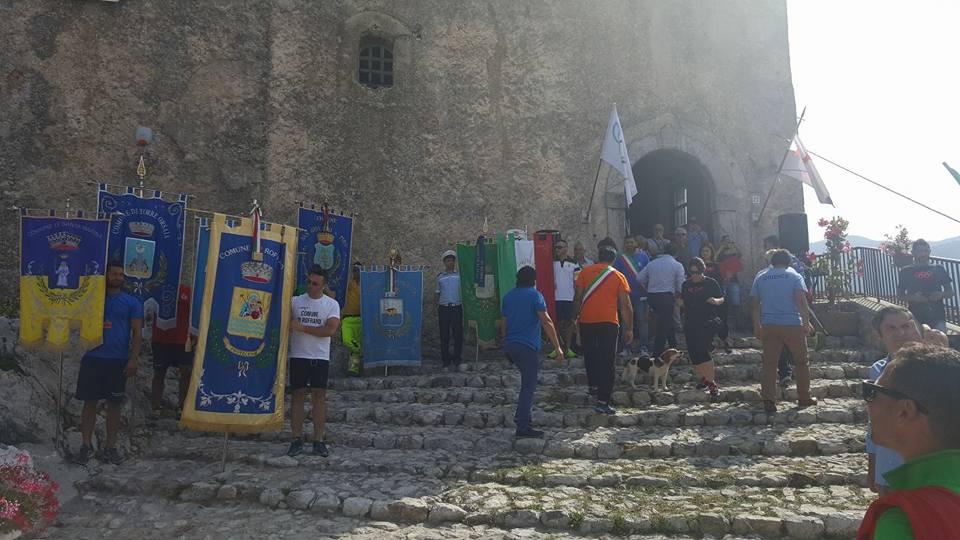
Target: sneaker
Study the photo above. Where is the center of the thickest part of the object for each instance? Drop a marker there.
(296, 448)
(703, 383)
(570, 354)
(552, 355)
(604, 408)
(714, 391)
(82, 456)
(320, 449)
(529, 433)
(769, 407)
(786, 380)
(112, 456)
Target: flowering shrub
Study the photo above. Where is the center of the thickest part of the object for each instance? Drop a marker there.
(837, 264)
(27, 497)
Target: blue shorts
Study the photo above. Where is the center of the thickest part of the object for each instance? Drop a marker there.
(564, 310)
(102, 378)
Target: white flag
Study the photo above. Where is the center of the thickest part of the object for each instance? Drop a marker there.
(799, 166)
(615, 153)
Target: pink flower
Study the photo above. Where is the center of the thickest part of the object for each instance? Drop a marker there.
(823, 222)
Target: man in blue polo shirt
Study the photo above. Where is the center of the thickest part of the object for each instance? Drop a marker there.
(781, 319)
(105, 369)
(524, 311)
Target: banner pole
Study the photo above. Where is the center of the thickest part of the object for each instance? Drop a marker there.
(776, 177)
(223, 456)
(58, 440)
(595, 180)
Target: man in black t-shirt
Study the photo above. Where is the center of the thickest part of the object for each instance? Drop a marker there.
(924, 286)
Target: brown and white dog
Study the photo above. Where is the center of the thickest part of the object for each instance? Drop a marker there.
(658, 369)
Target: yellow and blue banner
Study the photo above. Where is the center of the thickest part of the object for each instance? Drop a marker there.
(391, 312)
(240, 361)
(146, 234)
(62, 279)
(325, 240)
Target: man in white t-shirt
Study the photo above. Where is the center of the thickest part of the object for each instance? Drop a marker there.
(315, 318)
(564, 270)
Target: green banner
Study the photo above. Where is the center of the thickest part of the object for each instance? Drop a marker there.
(506, 264)
(481, 305)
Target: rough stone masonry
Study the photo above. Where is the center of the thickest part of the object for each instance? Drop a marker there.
(497, 110)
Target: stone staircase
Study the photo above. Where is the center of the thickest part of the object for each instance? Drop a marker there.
(432, 455)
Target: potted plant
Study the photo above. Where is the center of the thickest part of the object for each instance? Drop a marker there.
(837, 267)
(898, 247)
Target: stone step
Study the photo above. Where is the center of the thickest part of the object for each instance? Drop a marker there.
(641, 506)
(839, 411)
(601, 442)
(623, 394)
(533, 470)
(554, 375)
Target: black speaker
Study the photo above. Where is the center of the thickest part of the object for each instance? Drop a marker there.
(793, 233)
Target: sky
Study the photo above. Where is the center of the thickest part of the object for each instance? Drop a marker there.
(881, 84)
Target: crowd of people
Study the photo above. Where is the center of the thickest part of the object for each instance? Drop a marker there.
(632, 301)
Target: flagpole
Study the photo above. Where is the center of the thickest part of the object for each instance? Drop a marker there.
(776, 177)
(592, 193)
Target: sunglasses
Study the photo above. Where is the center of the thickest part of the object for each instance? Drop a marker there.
(870, 390)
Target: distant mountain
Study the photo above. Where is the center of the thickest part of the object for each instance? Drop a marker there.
(949, 248)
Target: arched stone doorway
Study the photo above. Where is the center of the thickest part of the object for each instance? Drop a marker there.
(672, 187)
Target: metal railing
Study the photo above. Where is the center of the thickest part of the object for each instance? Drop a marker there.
(878, 277)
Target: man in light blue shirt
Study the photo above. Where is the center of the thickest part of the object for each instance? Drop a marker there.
(663, 279)
(781, 319)
(450, 310)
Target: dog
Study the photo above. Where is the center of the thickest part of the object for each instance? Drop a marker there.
(658, 369)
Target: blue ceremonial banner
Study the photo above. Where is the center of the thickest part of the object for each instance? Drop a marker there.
(240, 361)
(62, 284)
(200, 272)
(146, 234)
(325, 239)
(391, 309)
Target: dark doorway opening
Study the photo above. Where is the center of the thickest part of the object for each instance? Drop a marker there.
(672, 187)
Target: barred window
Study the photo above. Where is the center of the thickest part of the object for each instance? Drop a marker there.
(376, 64)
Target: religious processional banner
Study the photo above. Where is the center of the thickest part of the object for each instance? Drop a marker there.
(478, 289)
(391, 312)
(325, 239)
(62, 279)
(146, 235)
(512, 254)
(241, 356)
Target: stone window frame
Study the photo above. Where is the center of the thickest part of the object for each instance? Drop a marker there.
(374, 55)
(355, 31)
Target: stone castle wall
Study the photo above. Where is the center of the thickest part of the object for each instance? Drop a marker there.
(497, 111)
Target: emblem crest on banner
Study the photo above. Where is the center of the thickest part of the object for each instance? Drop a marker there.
(138, 257)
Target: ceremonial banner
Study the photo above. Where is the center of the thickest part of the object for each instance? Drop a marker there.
(391, 312)
(543, 253)
(62, 279)
(481, 304)
(241, 355)
(146, 234)
(325, 239)
(200, 272)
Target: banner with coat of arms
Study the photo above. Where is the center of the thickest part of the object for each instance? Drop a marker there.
(391, 312)
(62, 279)
(240, 360)
(325, 240)
(146, 234)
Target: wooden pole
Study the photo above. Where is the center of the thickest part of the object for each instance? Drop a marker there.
(223, 456)
(594, 191)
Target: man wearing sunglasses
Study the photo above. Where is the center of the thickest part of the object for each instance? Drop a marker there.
(913, 409)
(894, 327)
